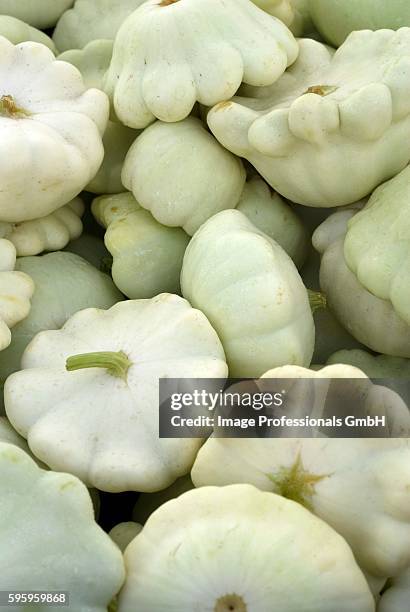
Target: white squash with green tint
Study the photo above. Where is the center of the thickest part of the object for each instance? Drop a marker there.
(360, 486)
(181, 174)
(318, 130)
(17, 31)
(50, 233)
(40, 13)
(377, 244)
(91, 20)
(371, 320)
(147, 503)
(396, 596)
(87, 396)
(93, 62)
(237, 548)
(65, 283)
(270, 214)
(293, 13)
(51, 127)
(251, 292)
(336, 19)
(162, 64)
(147, 256)
(123, 533)
(16, 290)
(49, 540)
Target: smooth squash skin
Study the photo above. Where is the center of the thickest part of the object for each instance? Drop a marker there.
(38, 13)
(195, 552)
(336, 19)
(17, 31)
(47, 524)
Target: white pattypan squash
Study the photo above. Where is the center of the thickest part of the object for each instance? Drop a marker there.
(396, 597)
(17, 31)
(93, 62)
(123, 533)
(50, 233)
(147, 503)
(170, 54)
(9, 436)
(275, 218)
(237, 548)
(181, 174)
(374, 366)
(358, 486)
(87, 396)
(65, 283)
(49, 540)
(39, 13)
(335, 19)
(147, 256)
(371, 320)
(316, 132)
(51, 128)
(91, 20)
(377, 244)
(330, 335)
(16, 290)
(251, 292)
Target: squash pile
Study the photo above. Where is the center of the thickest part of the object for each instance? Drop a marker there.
(202, 189)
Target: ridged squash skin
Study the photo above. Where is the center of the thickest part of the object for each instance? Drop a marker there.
(251, 292)
(333, 127)
(170, 54)
(195, 552)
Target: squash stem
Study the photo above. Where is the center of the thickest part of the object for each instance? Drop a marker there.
(9, 108)
(317, 300)
(116, 363)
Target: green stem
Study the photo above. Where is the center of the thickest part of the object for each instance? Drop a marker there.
(8, 108)
(317, 300)
(116, 364)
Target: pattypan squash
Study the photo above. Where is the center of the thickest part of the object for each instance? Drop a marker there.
(396, 596)
(40, 13)
(251, 292)
(181, 174)
(269, 213)
(92, 249)
(370, 319)
(9, 436)
(65, 283)
(147, 256)
(50, 233)
(147, 503)
(315, 133)
(170, 54)
(377, 244)
(335, 19)
(16, 290)
(93, 62)
(46, 115)
(90, 20)
(358, 486)
(123, 533)
(49, 540)
(374, 366)
(330, 335)
(293, 13)
(17, 31)
(237, 548)
(87, 396)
